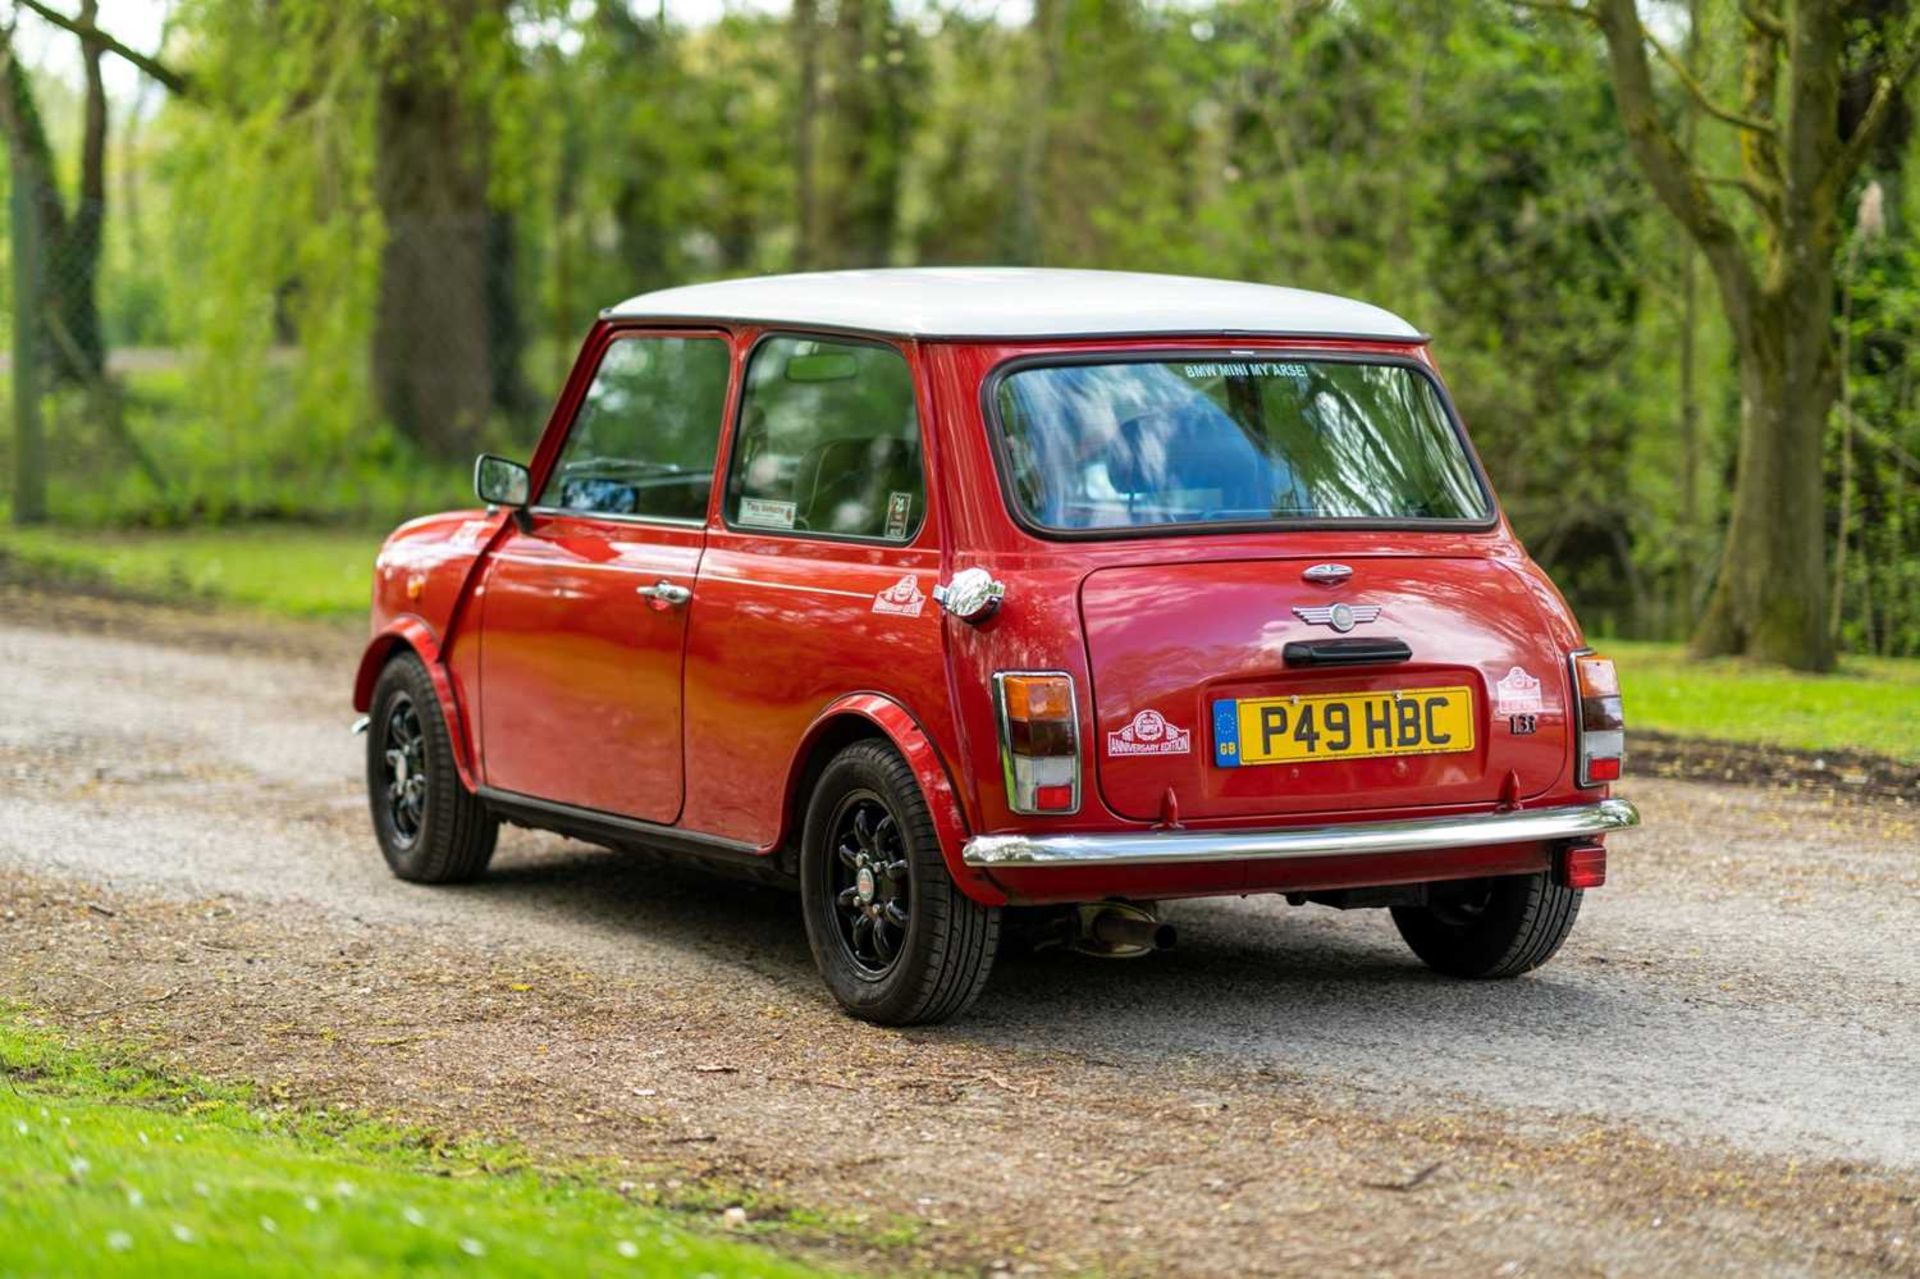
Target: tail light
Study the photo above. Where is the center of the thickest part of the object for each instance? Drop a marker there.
(1583, 866)
(1039, 741)
(1599, 728)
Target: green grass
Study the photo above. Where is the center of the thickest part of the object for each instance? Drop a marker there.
(289, 570)
(109, 1167)
(1870, 704)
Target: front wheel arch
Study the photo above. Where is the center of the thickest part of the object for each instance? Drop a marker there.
(410, 636)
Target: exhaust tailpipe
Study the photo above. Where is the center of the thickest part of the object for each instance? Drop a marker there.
(1117, 930)
(1126, 929)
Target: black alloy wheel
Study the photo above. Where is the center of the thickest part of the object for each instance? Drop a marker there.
(405, 771)
(431, 828)
(871, 882)
(895, 938)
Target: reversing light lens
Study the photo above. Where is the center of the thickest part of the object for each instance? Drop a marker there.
(1039, 742)
(1600, 726)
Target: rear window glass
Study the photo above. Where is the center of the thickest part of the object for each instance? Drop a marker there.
(829, 442)
(1196, 441)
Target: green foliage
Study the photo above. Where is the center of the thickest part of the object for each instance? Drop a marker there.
(1880, 577)
(286, 257)
(1461, 163)
(1872, 704)
(110, 1167)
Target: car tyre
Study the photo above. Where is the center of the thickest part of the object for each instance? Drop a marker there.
(1490, 927)
(896, 940)
(431, 828)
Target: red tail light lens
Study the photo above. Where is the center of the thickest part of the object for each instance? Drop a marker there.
(1583, 866)
(1599, 725)
(1039, 741)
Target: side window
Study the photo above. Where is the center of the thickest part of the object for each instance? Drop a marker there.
(829, 442)
(644, 439)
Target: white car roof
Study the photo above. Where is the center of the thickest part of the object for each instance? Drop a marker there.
(1019, 302)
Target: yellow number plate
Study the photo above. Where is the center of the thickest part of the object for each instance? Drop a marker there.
(1287, 730)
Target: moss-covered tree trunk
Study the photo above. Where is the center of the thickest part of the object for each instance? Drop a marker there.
(1797, 158)
(70, 343)
(434, 366)
(1768, 600)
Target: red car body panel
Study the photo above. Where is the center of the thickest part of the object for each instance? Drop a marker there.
(566, 686)
(572, 653)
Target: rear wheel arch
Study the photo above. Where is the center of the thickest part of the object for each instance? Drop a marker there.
(859, 716)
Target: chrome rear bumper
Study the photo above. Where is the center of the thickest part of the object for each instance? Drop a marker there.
(1351, 839)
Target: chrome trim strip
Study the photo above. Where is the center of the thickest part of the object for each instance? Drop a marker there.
(612, 517)
(793, 586)
(1417, 835)
(1577, 720)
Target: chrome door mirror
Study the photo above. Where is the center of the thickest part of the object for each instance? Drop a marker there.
(972, 595)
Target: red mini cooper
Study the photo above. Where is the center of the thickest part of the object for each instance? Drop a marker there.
(973, 597)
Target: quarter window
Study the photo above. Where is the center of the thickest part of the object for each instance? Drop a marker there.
(829, 442)
(644, 440)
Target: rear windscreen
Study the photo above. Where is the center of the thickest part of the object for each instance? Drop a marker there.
(1146, 443)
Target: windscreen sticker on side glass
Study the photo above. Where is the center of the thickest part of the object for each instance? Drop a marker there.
(762, 512)
(899, 507)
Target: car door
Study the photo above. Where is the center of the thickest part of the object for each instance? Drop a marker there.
(584, 621)
(826, 555)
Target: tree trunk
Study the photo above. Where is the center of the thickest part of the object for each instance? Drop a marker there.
(1022, 240)
(433, 354)
(75, 313)
(806, 39)
(29, 441)
(67, 321)
(868, 136)
(1767, 602)
(850, 156)
(643, 56)
(1689, 339)
(506, 335)
(1797, 157)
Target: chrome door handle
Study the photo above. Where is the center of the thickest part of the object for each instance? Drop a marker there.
(664, 594)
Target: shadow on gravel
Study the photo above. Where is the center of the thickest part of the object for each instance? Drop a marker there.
(1242, 969)
(620, 894)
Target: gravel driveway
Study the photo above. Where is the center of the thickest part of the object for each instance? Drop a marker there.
(1720, 1073)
